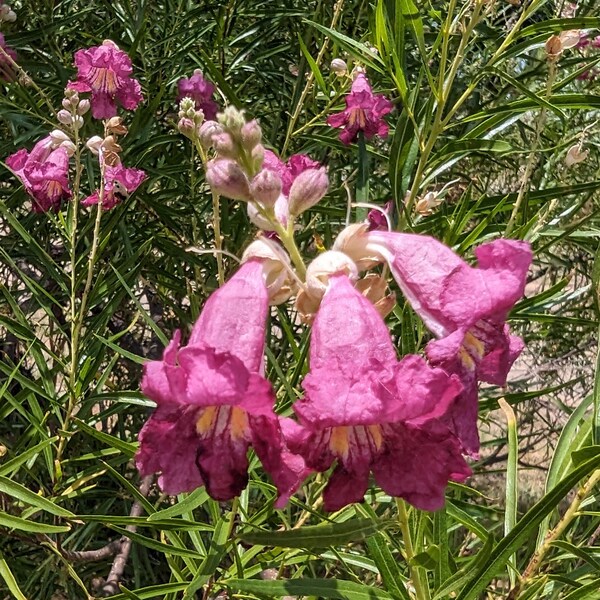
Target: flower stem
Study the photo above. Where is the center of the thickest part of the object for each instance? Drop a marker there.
(421, 588)
(362, 184)
(286, 235)
(216, 206)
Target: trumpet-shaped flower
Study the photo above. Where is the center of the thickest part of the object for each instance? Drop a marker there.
(119, 182)
(212, 402)
(365, 411)
(200, 90)
(464, 307)
(105, 71)
(44, 173)
(364, 112)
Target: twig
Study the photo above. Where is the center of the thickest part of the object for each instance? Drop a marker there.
(111, 586)
(93, 555)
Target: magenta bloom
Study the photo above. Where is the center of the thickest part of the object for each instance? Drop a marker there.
(213, 403)
(368, 412)
(364, 112)
(44, 173)
(119, 182)
(105, 71)
(465, 307)
(7, 72)
(200, 90)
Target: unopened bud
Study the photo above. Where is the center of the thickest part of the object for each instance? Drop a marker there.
(186, 127)
(208, 130)
(308, 188)
(251, 135)
(575, 154)
(339, 67)
(66, 104)
(224, 145)
(323, 267)
(94, 144)
(258, 156)
(226, 178)
(187, 104)
(266, 187)
(77, 122)
(83, 107)
(232, 119)
(58, 137)
(7, 14)
(64, 117)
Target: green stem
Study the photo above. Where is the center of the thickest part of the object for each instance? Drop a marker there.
(216, 206)
(421, 588)
(286, 235)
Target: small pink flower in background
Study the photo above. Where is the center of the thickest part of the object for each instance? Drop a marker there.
(44, 173)
(464, 307)
(366, 411)
(364, 112)
(7, 71)
(119, 182)
(200, 90)
(377, 218)
(212, 402)
(105, 71)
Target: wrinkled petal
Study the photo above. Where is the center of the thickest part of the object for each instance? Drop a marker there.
(419, 465)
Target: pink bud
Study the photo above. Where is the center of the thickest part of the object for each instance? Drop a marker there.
(208, 130)
(83, 107)
(64, 117)
(186, 126)
(266, 187)
(251, 134)
(308, 188)
(224, 145)
(227, 179)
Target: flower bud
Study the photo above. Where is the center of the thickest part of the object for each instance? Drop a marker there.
(224, 145)
(83, 107)
(232, 119)
(258, 156)
(339, 67)
(327, 264)
(58, 137)
(186, 127)
(226, 178)
(266, 187)
(251, 135)
(206, 133)
(64, 117)
(7, 14)
(94, 144)
(77, 122)
(575, 155)
(308, 188)
(66, 104)
(570, 38)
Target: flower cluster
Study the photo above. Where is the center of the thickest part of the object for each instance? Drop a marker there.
(44, 172)
(409, 422)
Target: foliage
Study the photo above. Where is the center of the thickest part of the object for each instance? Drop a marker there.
(481, 111)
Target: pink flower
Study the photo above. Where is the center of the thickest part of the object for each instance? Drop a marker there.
(465, 308)
(200, 91)
(105, 71)
(364, 112)
(377, 218)
(7, 72)
(212, 402)
(44, 173)
(366, 411)
(119, 182)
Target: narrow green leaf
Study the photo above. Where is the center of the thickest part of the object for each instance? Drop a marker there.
(14, 463)
(322, 588)
(16, 490)
(388, 566)
(12, 522)
(314, 67)
(154, 544)
(9, 579)
(185, 503)
(317, 536)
